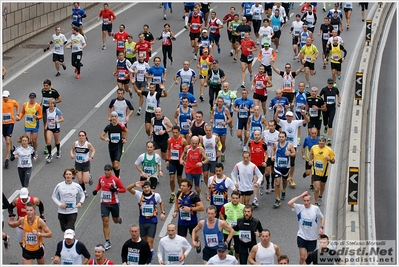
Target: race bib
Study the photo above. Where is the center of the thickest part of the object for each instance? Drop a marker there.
(174, 154)
(24, 161)
(330, 100)
(319, 165)
(106, 196)
(120, 44)
(313, 112)
(149, 170)
(31, 239)
(219, 124)
(29, 119)
(307, 224)
(74, 18)
(185, 215)
(250, 57)
(121, 75)
(115, 137)
(194, 26)
(147, 210)
(6, 117)
(129, 50)
(185, 125)
(212, 240)
(308, 58)
(70, 204)
(156, 79)
(326, 36)
(282, 162)
(335, 57)
(245, 236)
(243, 113)
(133, 258)
(218, 200)
(173, 258)
(105, 21)
(276, 28)
(157, 128)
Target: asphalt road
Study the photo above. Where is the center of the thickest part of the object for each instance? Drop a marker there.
(84, 106)
(384, 170)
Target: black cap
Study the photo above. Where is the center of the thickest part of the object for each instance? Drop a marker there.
(108, 167)
(32, 95)
(221, 247)
(330, 80)
(215, 61)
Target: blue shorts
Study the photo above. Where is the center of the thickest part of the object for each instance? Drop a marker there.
(196, 178)
(32, 130)
(7, 129)
(166, 4)
(242, 124)
(220, 132)
(310, 245)
(106, 209)
(281, 172)
(214, 38)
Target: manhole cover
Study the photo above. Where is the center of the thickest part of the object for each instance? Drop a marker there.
(36, 46)
(7, 58)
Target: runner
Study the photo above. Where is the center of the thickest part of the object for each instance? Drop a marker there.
(34, 230)
(122, 106)
(260, 84)
(311, 140)
(167, 37)
(308, 55)
(256, 12)
(244, 107)
(214, 27)
(117, 136)
(183, 117)
(136, 250)
(191, 98)
(296, 28)
(337, 58)
(194, 22)
(229, 98)
(258, 155)
(107, 16)
(204, 65)
(77, 43)
(226, 20)
(215, 78)
(160, 126)
(172, 248)
(332, 98)
(59, 40)
(308, 217)
(69, 197)
(250, 177)
(120, 38)
(204, 42)
(277, 23)
(52, 127)
(247, 46)
(264, 57)
(165, 7)
(83, 152)
(187, 76)
(99, 256)
(348, 13)
(266, 33)
(222, 257)
(213, 235)
(9, 117)
(176, 145)
(310, 17)
(33, 113)
(269, 136)
(315, 105)
(143, 47)
(217, 190)
(77, 14)
(210, 142)
(149, 166)
(194, 158)
(140, 69)
(220, 118)
(148, 211)
(157, 75)
(246, 11)
(25, 154)
(264, 252)
(71, 251)
(187, 206)
(130, 48)
(326, 31)
(198, 125)
(235, 35)
(110, 185)
(256, 122)
(301, 96)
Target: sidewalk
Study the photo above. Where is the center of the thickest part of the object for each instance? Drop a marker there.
(19, 56)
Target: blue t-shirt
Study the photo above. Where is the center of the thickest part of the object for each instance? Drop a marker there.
(190, 96)
(241, 104)
(76, 20)
(157, 72)
(283, 101)
(247, 8)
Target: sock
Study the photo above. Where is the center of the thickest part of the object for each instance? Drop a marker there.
(186, 20)
(117, 172)
(152, 254)
(58, 147)
(83, 186)
(49, 149)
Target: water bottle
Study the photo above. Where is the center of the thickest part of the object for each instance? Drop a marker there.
(231, 251)
(199, 247)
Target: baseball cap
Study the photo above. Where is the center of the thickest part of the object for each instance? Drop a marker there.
(23, 193)
(108, 167)
(215, 61)
(266, 44)
(69, 233)
(205, 50)
(221, 247)
(289, 113)
(204, 30)
(336, 4)
(32, 95)
(6, 93)
(330, 80)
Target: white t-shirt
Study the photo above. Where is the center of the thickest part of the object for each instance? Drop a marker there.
(307, 221)
(266, 34)
(58, 41)
(169, 250)
(270, 138)
(291, 130)
(229, 260)
(296, 27)
(77, 42)
(246, 176)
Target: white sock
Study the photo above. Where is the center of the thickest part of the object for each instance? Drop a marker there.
(186, 20)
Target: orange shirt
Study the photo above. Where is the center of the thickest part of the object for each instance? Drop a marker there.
(8, 111)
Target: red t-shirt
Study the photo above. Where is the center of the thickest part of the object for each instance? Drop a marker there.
(106, 262)
(143, 48)
(259, 80)
(120, 38)
(107, 15)
(257, 152)
(247, 44)
(192, 158)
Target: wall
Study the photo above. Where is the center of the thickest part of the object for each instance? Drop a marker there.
(23, 20)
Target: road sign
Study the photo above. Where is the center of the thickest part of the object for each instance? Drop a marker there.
(359, 86)
(368, 30)
(353, 185)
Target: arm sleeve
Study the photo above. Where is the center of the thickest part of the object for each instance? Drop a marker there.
(81, 249)
(59, 248)
(6, 204)
(41, 207)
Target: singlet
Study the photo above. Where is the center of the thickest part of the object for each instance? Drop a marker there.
(149, 166)
(159, 125)
(141, 69)
(183, 123)
(82, 152)
(53, 116)
(219, 192)
(336, 53)
(302, 37)
(122, 70)
(69, 256)
(176, 148)
(214, 77)
(205, 42)
(300, 100)
(265, 256)
(212, 236)
(214, 26)
(195, 24)
(228, 98)
(256, 125)
(257, 152)
(270, 138)
(275, 23)
(218, 118)
(198, 130)
(189, 217)
(30, 121)
(129, 48)
(232, 213)
(30, 241)
(282, 161)
(204, 66)
(192, 158)
(21, 207)
(310, 19)
(166, 41)
(259, 82)
(151, 102)
(148, 209)
(210, 147)
(288, 83)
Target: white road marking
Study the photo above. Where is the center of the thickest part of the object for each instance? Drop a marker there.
(13, 196)
(167, 221)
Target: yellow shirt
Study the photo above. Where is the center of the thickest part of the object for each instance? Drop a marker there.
(29, 111)
(129, 49)
(204, 65)
(336, 54)
(309, 52)
(319, 159)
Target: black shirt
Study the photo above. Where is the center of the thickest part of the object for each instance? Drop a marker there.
(318, 102)
(148, 36)
(330, 96)
(328, 257)
(131, 250)
(115, 134)
(46, 95)
(248, 227)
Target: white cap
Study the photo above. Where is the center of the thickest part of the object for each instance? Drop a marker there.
(289, 113)
(204, 30)
(6, 93)
(24, 193)
(69, 233)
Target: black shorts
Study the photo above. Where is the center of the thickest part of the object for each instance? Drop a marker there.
(294, 40)
(336, 66)
(310, 245)
(269, 5)
(277, 35)
(187, 9)
(318, 178)
(148, 229)
(364, 5)
(194, 36)
(328, 117)
(161, 144)
(242, 124)
(262, 170)
(261, 98)
(235, 39)
(82, 167)
(289, 96)
(205, 7)
(44, 112)
(208, 253)
(236, 239)
(8, 129)
(324, 45)
(126, 81)
(175, 167)
(314, 123)
(106, 209)
(268, 70)
(244, 59)
(347, 9)
(307, 166)
(132, 60)
(149, 116)
(56, 130)
(153, 181)
(182, 229)
(115, 154)
(269, 162)
(57, 57)
(246, 193)
(230, 36)
(106, 28)
(249, 17)
(309, 65)
(33, 255)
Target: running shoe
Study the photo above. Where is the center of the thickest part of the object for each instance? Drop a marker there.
(244, 148)
(339, 77)
(198, 249)
(123, 149)
(86, 194)
(6, 163)
(7, 242)
(195, 57)
(45, 150)
(58, 154)
(325, 129)
(255, 203)
(120, 220)
(131, 94)
(49, 158)
(243, 85)
(12, 156)
(219, 50)
(277, 203)
(324, 9)
(77, 76)
(231, 53)
(58, 74)
(107, 245)
(304, 175)
(299, 141)
(282, 195)
(104, 47)
(320, 200)
(172, 198)
(261, 191)
(276, 50)
(292, 182)
(139, 112)
(90, 179)
(311, 188)
(329, 142)
(201, 98)
(250, 77)
(222, 158)
(63, 66)
(335, 84)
